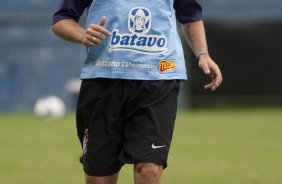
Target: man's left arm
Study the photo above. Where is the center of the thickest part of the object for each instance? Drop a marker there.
(194, 34)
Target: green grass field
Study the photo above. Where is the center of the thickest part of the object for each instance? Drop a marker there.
(234, 146)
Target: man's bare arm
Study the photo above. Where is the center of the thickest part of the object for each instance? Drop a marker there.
(194, 34)
(71, 31)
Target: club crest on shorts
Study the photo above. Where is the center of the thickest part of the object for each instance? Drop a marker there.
(85, 141)
(138, 38)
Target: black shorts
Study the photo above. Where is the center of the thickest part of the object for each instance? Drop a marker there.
(125, 121)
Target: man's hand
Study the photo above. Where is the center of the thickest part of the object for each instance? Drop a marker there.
(211, 69)
(95, 33)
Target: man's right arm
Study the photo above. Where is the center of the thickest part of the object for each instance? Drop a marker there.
(65, 24)
(71, 31)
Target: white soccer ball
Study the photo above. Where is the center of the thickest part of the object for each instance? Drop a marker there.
(49, 107)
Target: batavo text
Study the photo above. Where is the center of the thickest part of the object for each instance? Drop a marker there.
(138, 43)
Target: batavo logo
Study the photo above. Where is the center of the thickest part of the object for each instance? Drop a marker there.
(138, 40)
(167, 65)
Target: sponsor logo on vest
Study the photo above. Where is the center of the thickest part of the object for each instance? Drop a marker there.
(139, 24)
(167, 65)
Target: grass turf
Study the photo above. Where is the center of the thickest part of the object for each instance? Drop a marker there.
(234, 146)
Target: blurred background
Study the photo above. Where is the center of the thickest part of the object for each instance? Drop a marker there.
(244, 38)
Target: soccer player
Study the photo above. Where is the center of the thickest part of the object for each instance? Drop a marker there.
(130, 80)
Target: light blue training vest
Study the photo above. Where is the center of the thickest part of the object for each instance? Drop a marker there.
(144, 43)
